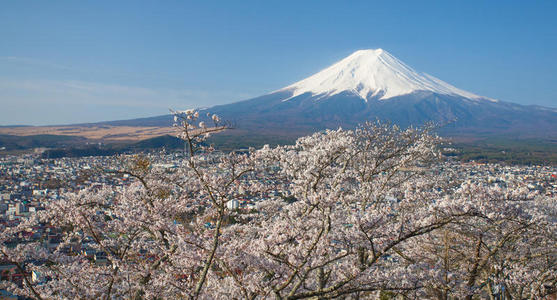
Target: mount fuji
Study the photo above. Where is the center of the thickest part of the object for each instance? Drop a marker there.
(373, 84)
(372, 74)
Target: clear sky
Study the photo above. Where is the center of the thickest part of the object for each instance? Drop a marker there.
(77, 61)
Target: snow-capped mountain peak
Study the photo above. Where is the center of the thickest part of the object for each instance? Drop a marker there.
(373, 73)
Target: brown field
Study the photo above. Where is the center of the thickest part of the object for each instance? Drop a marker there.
(102, 132)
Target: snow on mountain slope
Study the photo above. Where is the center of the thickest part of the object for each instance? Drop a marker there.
(373, 74)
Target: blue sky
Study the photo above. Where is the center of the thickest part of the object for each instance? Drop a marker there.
(76, 61)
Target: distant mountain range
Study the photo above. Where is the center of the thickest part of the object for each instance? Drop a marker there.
(373, 84)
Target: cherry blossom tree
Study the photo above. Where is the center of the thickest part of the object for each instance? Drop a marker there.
(353, 199)
(156, 238)
(341, 213)
(506, 247)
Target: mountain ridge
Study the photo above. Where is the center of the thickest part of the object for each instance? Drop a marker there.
(373, 85)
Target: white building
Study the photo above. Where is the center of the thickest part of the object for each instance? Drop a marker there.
(233, 204)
